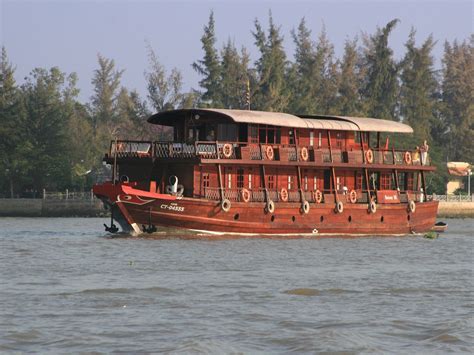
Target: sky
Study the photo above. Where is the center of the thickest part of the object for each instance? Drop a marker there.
(69, 34)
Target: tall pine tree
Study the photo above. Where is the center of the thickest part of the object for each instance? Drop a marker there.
(349, 100)
(419, 87)
(381, 86)
(14, 148)
(106, 83)
(458, 98)
(271, 94)
(209, 67)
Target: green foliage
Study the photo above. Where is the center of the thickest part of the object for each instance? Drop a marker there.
(106, 83)
(419, 87)
(209, 67)
(164, 92)
(234, 76)
(381, 87)
(271, 93)
(458, 99)
(44, 99)
(349, 98)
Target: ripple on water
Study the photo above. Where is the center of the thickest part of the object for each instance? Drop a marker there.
(316, 292)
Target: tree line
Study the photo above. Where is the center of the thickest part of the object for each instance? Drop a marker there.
(49, 139)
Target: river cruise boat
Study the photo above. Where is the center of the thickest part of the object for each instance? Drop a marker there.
(238, 172)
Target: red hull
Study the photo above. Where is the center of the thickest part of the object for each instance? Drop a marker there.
(251, 219)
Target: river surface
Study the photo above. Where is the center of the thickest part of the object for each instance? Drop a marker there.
(66, 287)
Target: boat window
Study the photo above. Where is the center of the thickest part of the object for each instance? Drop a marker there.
(243, 132)
(240, 178)
(311, 138)
(290, 182)
(271, 181)
(271, 135)
(250, 180)
(253, 134)
(305, 183)
(357, 137)
(291, 137)
(385, 181)
(227, 132)
(409, 181)
(359, 181)
(205, 180)
(262, 134)
(320, 139)
(278, 135)
(315, 183)
(340, 136)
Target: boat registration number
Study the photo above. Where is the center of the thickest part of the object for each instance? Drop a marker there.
(172, 207)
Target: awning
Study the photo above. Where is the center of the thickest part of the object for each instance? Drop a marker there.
(336, 123)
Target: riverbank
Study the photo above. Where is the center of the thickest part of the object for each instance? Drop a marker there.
(456, 210)
(93, 207)
(29, 207)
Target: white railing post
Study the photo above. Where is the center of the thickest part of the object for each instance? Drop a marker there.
(67, 194)
(44, 194)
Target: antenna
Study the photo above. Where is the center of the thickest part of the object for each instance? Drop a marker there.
(247, 95)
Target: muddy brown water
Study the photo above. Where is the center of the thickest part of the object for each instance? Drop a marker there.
(65, 287)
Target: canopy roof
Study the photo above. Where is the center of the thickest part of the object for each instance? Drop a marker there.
(337, 123)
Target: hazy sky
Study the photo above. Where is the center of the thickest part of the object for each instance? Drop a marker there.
(69, 34)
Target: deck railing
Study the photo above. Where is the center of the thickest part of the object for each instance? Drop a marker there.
(254, 151)
(258, 195)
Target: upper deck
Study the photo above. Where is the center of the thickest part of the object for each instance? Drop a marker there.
(253, 137)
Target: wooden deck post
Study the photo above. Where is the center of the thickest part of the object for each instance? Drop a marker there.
(221, 187)
(366, 173)
(262, 177)
(423, 182)
(333, 171)
(298, 171)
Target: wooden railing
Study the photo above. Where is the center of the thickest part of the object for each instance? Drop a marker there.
(258, 195)
(253, 151)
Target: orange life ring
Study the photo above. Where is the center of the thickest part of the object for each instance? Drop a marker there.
(269, 152)
(227, 150)
(245, 194)
(317, 196)
(369, 156)
(304, 154)
(407, 158)
(353, 196)
(284, 194)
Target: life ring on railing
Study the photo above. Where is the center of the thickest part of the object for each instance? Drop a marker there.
(305, 207)
(317, 196)
(269, 152)
(407, 158)
(339, 207)
(284, 194)
(270, 207)
(369, 156)
(411, 206)
(372, 206)
(227, 150)
(353, 196)
(225, 205)
(245, 195)
(304, 154)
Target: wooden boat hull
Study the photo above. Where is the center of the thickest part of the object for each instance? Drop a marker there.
(251, 219)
